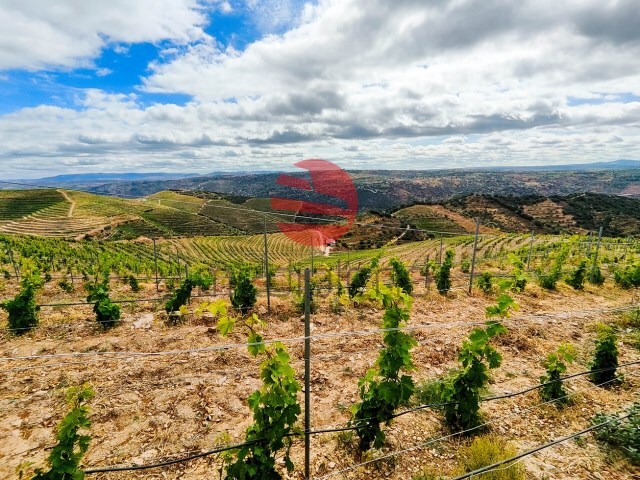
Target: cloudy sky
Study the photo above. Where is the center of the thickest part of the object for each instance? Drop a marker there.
(210, 85)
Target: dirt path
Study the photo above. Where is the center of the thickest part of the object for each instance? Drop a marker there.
(71, 201)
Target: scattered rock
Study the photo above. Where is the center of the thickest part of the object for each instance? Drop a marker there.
(144, 322)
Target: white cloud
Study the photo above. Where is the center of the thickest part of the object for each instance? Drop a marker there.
(369, 83)
(69, 33)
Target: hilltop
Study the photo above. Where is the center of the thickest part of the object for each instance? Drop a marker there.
(167, 214)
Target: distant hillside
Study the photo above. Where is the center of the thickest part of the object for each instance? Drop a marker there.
(80, 181)
(617, 164)
(73, 214)
(576, 213)
(387, 190)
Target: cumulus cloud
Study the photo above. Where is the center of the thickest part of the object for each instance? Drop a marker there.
(409, 83)
(41, 34)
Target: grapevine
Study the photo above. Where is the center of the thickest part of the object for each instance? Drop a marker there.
(549, 279)
(274, 405)
(107, 312)
(400, 276)
(578, 276)
(519, 277)
(485, 282)
(133, 283)
(443, 274)
(462, 389)
(361, 277)
(628, 278)
(605, 358)
(556, 364)
(23, 310)
(596, 277)
(64, 460)
(244, 294)
(384, 388)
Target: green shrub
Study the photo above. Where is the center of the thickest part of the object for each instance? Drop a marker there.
(605, 357)
(201, 276)
(65, 458)
(400, 276)
(485, 282)
(65, 285)
(107, 312)
(519, 277)
(623, 436)
(275, 410)
(556, 366)
(180, 296)
(629, 277)
(361, 277)
(577, 277)
(244, 295)
(429, 392)
(465, 265)
(23, 309)
(596, 277)
(549, 279)
(274, 406)
(133, 283)
(443, 273)
(630, 319)
(487, 450)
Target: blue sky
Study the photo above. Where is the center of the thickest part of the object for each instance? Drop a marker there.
(119, 68)
(204, 85)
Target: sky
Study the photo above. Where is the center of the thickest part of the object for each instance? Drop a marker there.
(222, 85)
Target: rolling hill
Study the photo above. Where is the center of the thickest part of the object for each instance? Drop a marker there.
(387, 190)
(170, 214)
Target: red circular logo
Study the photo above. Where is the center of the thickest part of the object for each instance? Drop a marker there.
(326, 179)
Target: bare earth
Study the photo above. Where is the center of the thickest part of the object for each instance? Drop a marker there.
(147, 408)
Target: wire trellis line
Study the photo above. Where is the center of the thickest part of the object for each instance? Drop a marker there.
(321, 336)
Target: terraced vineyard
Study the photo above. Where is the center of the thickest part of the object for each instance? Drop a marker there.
(15, 204)
(51, 215)
(233, 250)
